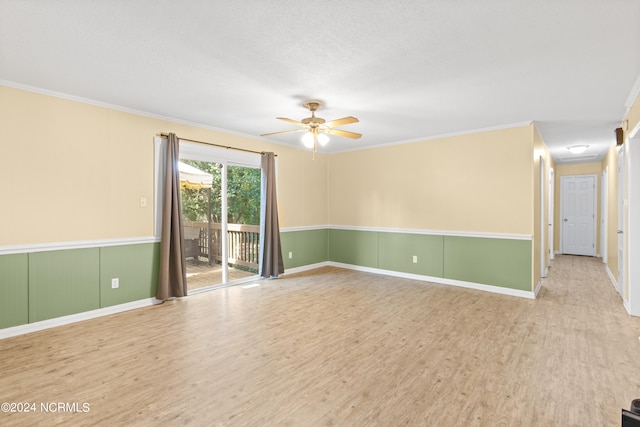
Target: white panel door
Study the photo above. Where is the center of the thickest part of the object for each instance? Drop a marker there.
(578, 215)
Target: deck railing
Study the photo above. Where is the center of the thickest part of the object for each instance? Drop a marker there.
(203, 239)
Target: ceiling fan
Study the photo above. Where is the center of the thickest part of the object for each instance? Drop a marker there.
(317, 128)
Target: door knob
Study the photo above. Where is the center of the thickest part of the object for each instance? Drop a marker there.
(620, 232)
(565, 220)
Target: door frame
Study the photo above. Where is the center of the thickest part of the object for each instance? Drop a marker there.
(595, 208)
(604, 203)
(543, 222)
(551, 218)
(621, 223)
(633, 219)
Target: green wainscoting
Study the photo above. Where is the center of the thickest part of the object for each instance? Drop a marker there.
(354, 247)
(14, 290)
(497, 262)
(396, 252)
(63, 282)
(307, 247)
(492, 261)
(44, 285)
(136, 268)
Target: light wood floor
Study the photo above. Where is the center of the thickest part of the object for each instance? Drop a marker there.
(342, 348)
(202, 275)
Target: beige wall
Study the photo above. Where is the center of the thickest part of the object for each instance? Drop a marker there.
(77, 172)
(540, 151)
(74, 171)
(472, 183)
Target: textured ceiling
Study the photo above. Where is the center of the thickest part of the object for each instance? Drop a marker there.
(409, 70)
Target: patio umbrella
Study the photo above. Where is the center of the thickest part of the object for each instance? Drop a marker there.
(193, 178)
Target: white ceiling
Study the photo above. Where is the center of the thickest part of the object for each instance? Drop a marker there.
(409, 70)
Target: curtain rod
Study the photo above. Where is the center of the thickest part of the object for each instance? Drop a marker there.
(165, 135)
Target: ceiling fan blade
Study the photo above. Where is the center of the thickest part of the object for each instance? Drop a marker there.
(344, 133)
(342, 121)
(284, 131)
(291, 121)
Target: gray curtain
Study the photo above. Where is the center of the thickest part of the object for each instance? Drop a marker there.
(270, 250)
(172, 278)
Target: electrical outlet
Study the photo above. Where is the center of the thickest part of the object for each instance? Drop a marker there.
(290, 255)
(415, 259)
(143, 202)
(115, 283)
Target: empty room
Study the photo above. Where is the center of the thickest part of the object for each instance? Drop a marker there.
(293, 213)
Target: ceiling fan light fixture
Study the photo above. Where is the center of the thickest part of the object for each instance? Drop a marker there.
(323, 138)
(316, 129)
(578, 149)
(307, 139)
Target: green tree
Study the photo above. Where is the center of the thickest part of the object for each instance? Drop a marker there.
(243, 195)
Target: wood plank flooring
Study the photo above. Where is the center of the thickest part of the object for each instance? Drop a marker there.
(202, 275)
(335, 347)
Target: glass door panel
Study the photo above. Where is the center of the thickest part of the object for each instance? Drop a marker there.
(243, 220)
(200, 189)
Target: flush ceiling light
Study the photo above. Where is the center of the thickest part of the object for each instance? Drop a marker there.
(578, 149)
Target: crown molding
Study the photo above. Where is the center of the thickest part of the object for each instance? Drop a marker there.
(440, 136)
(633, 94)
(120, 108)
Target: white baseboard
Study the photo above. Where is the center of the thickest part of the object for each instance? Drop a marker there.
(627, 307)
(537, 290)
(306, 268)
(546, 272)
(73, 318)
(439, 280)
(613, 279)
